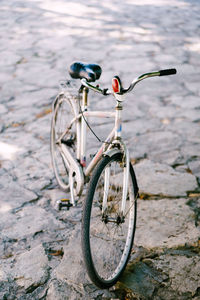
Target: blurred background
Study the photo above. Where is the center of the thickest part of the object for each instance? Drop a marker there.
(39, 40)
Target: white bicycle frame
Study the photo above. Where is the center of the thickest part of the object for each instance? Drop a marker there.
(78, 171)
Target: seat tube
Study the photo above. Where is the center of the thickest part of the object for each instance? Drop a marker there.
(84, 106)
(118, 120)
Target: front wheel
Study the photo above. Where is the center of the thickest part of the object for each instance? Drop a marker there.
(107, 234)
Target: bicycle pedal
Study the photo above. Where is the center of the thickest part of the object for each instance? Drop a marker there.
(64, 203)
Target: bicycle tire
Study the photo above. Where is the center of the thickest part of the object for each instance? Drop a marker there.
(96, 238)
(62, 115)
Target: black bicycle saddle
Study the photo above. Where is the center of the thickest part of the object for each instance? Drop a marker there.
(90, 72)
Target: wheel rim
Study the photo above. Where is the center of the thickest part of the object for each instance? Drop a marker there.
(62, 117)
(111, 239)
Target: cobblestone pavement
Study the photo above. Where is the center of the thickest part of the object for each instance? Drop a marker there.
(39, 250)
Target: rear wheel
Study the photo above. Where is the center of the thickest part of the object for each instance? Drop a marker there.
(107, 237)
(63, 132)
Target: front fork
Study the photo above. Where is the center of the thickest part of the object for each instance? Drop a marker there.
(126, 170)
(121, 148)
(126, 156)
(125, 180)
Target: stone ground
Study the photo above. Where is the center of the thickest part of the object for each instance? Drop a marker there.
(40, 248)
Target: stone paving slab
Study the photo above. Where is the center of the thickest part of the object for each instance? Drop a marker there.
(163, 180)
(39, 39)
(175, 228)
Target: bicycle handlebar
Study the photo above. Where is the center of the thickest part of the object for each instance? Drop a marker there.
(106, 92)
(152, 74)
(167, 72)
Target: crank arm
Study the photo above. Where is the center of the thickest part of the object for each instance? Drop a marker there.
(74, 168)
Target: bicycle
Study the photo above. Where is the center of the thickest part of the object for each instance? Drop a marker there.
(110, 206)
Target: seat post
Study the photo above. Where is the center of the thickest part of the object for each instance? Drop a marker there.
(83, 126)
(85, 98)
